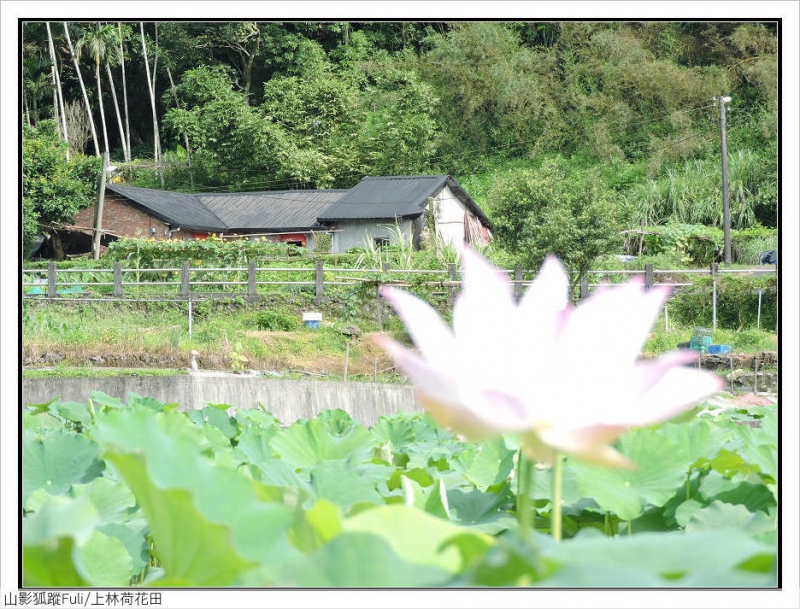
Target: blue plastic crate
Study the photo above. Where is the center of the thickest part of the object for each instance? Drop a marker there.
(719, 348)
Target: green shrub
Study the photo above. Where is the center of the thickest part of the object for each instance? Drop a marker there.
(274, 320)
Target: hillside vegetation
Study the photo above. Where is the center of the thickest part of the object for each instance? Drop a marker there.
(624, 111)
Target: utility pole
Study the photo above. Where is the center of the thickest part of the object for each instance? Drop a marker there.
(98, 209)
(726, 195)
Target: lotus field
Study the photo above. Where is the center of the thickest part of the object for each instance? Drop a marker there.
(142, 494)
(610, 478)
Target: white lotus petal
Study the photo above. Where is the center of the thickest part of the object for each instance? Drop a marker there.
(567, 379)
(426, 328)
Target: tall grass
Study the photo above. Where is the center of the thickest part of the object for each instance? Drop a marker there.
(692, 193)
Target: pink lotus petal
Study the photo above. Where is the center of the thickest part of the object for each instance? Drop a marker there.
(426, 328)
(566, 378)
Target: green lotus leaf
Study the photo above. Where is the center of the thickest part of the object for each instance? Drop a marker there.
(491, 464)
(256, 418)
(62, 547)
(721, 515)
(413, 535)
(480, 511)
(315, 526)
(696, 441)
(670, 555)
(395, 429)
(659, 473)
(57, 461)
(308, 442)
(60, 516)
(685, 511)
(103, 561)
(218, 418)
(600, 575)
(134, 399)
(337, 421)
(510, 560)
(77, 412)
(360, 560)
(206, 521)
(738, 492)
(50, 565)
(100, 400)
(345, 488)
(133, 536)
(111, 499)
(41, 423)
(431, 499)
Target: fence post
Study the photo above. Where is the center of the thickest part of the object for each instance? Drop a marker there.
(714, 271)
(318, 278)
(185, 279)
(190, 317)
(51, 280)
(758, 318)
(251, 279)
(584, 287)
(378, 300)
(648, 276)
(517, 283)
(451, 290)
(117, 279)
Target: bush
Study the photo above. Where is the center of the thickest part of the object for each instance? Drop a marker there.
(737, 302)
(274, 320)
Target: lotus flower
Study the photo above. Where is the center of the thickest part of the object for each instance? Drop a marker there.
(567, 379)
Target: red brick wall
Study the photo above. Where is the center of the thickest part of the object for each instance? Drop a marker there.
(124, 220)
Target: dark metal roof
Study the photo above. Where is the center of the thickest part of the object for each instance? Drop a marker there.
(377, 198)
(395, 197)
(273, 210)
(178, 209)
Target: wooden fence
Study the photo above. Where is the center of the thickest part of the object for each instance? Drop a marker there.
(50, 284)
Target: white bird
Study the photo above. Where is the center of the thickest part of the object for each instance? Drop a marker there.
(194, 366)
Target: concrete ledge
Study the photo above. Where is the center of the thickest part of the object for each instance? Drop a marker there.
(288, 400)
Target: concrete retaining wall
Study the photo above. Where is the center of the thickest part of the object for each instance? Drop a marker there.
(288, 400)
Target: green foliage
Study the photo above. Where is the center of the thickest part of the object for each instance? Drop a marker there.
(206, 252)
(210, 498)
(737, 302)
(275, 320)
(555, 211)
(53, 189)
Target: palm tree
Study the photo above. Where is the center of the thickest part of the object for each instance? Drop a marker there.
(59, 91)
(83, 89)
(127, 134)
(36, 84)
(151, 89)
(99, 44)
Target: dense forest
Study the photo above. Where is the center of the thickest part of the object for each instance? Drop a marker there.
(627, 112)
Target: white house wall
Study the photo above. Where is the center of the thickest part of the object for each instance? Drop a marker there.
(354, 233)
(450, 217)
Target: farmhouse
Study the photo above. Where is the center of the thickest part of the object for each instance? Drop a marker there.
(376, 210)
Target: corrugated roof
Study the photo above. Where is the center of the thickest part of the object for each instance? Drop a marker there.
(175, 208)
(396, 197)
(378, 198)
(385, 197)
(273, 210)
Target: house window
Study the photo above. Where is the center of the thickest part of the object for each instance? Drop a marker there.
(381, 242)
(297, 243)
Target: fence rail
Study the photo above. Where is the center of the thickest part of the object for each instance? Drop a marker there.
(52, 286)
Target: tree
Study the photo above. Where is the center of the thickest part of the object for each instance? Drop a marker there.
(53, 189)
(60, 110)
(99, 43)
(83, 89)
(555, 210)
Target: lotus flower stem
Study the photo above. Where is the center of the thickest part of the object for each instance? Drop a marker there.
(555, 514)
(523, 495)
